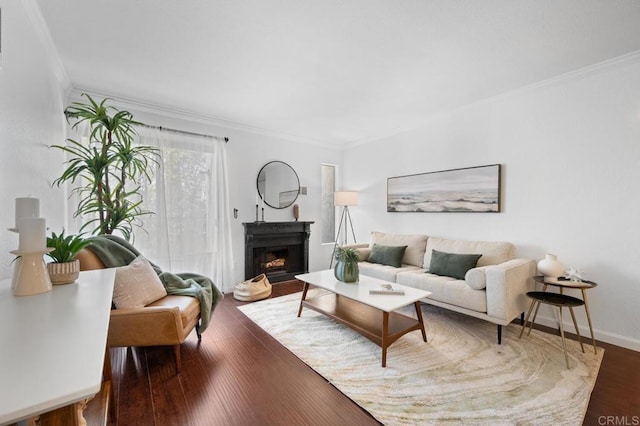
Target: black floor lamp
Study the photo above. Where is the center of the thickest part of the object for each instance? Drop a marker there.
(344, 199)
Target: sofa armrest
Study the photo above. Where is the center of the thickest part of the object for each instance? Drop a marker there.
(147, 326)
(507, 287)
(363, 250)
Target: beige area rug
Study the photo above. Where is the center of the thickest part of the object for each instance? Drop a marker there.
(460, 376)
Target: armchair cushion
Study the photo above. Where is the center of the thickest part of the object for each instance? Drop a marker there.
(137, 285)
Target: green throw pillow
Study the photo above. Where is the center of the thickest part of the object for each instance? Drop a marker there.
(452, 264)
(387, 255)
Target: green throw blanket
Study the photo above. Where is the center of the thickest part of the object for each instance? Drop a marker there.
(114, 251)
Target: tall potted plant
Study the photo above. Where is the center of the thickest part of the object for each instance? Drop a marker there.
(109, 166)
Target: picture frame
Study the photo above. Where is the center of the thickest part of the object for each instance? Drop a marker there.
(470, 190)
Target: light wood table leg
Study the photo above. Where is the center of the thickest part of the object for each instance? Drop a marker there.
(544, 288)
(70, 415)
(586, 308)
(564, 345)
(575, 324)
(533, 302)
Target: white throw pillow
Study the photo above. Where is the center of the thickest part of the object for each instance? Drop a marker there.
(137, 285)
(476, 278)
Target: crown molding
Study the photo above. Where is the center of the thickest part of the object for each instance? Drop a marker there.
(584, 72)
(143, 105)
(42, 31)
(193, 116)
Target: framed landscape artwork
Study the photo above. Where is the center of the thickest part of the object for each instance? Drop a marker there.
(472, 189)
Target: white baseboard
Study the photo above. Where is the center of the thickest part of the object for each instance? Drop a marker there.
(612, 338)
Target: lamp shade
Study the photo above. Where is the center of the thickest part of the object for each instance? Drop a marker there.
(345, 198)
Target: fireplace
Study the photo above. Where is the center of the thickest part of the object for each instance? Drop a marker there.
(278, 249)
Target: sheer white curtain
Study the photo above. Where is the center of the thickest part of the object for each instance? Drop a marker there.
(190, 230)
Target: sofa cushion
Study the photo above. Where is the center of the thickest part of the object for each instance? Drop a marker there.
(416, 245)
(387, 255)
(445, 289)
(452, 264)
(136, 285)
(383, 272)
(493, 253)
(476, 278)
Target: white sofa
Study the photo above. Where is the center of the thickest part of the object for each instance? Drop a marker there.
(495, 290)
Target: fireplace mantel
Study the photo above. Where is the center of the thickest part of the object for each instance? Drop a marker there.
(266, 241)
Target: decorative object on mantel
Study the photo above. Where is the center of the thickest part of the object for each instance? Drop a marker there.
(296, 212)
(30, 274)
(65, 268)
(346, 269)
(550, 267)
(344, 199)
(471, 189)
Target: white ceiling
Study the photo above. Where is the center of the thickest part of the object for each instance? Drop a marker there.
(330, 71)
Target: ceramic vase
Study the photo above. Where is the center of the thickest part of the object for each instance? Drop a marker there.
(550, 267)
(347, 272)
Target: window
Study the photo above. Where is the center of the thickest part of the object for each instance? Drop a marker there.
(327, 209)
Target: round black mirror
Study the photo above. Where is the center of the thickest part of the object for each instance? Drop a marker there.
(278, 184)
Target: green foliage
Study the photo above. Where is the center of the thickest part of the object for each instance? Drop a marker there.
(347, 254)
(109, 166)
(65, 248)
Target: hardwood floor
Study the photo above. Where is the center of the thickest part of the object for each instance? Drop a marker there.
(239, 375)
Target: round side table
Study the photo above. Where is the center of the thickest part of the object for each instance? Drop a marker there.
(561, 300)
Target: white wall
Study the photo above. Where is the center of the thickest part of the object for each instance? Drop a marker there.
(31, 119)
(570, 151)
(247, 152)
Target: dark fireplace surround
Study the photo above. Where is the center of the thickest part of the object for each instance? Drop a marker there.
(278, 249)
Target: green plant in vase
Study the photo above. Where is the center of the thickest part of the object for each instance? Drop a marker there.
(110, 167)
(64, 268)
(346, 268)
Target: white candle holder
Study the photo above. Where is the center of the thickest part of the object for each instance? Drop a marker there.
(30, 275)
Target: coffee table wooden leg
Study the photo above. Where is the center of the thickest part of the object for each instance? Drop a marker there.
(421, 321)
(385, 333)
(304, 295)
(586, 308)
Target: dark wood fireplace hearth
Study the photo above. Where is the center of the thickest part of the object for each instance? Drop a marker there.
(278, 249)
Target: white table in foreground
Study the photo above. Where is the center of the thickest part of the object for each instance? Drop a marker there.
(53, 345)
(371, 315)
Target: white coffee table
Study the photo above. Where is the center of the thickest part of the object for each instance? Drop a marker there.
(371, 315)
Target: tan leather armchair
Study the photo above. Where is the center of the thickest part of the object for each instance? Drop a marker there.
(167, 321)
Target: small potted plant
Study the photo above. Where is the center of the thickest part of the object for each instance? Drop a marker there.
(64, 268)
(346, 268)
